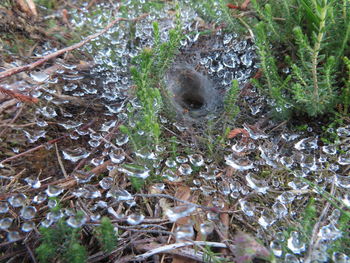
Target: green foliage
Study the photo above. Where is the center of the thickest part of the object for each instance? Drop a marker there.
(211, 256)
(230, 101)
(339, 244)
(315, 37)
(106, 234)
(216, 137)
(76, 253)
(60, 241)
(137, 183)
(346, 90)
(147, 76)
(49, 4)
(309, 217)
(217, 11)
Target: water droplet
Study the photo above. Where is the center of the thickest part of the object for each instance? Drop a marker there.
(343, 132)
(77, 220)
(170, 163)
(48, 112)
(290, 258)
(185, 169)
(69, 124)
(171, 176)
(339, 257)
(75, 154)
(135, 171)
(28, 226)
(329, 149)
(266, 219)
(247, 208)
(207, 190)
(33, 182)
(227, 39)
(54, 216)
(119, 194)
(4, 207)
(40, 198)
(309, 143)
(342, 181)
(184, 232)
(241, 164)
(97, 161)
(181, 159)
(28, 212)
(5, 223)
(206, 228)
(135, 219)
(34, 135)
(287, 161)
(329, 232)
(279, 209)
(177, 212)
(106, 183)
(286, 197)
(18, 200)
(295, 243)
(122, 139)
(53, 191)
(260, 186)
(197, 160)
(117, 156)
(108, 125)
(39, 76)
(13, 236)
(344, 159)
(276, 248)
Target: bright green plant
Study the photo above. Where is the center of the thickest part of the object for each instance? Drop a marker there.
(217, 11)
(147, 76)
(61, 241)
(314, 35)
(339, 244)
(346, 90)
(106, 234)
(230, 102)
(211, 256)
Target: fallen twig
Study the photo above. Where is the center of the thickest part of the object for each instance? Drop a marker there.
(206, 208)
(60, 162)
(177, 245)
(18, 96)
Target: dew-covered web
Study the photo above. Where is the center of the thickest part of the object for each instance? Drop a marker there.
(266, 176)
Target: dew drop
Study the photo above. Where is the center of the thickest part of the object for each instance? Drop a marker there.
(53, 191)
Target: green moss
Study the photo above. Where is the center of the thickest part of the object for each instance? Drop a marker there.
(106, 235)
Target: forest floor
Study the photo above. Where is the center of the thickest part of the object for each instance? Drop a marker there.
(76, 186)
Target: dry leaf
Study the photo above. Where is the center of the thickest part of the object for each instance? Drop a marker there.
(27, 6)
(246, 248)
(237, 131)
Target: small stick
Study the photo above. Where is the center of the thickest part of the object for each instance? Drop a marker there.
(213, 209)
(60, 162)
(177, 245)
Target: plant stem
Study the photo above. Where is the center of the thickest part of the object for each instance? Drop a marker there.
(316, 52)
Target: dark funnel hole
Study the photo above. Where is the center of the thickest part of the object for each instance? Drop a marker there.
(191, 91)
(193, 101)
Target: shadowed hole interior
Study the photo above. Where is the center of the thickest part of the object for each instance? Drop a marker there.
(191, 91)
